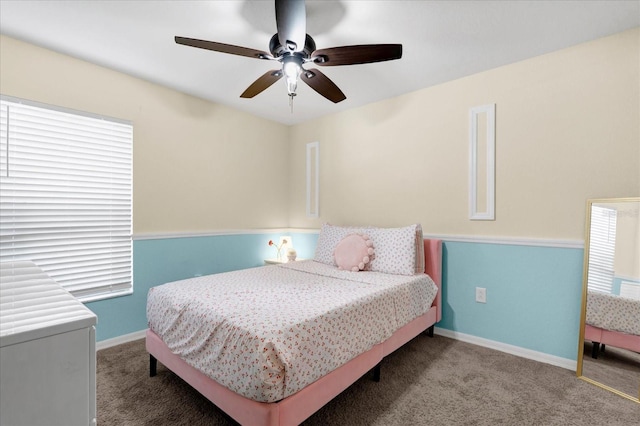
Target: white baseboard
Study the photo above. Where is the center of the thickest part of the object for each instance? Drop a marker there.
(103, 344)
(569, 364)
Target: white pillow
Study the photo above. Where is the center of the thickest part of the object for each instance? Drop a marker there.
(397, 250)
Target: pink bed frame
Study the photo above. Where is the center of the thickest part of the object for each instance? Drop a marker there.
(294, 409)
(612, 338)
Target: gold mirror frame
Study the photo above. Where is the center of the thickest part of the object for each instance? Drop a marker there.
(583, 312)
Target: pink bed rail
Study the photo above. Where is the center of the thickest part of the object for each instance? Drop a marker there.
(613, 338)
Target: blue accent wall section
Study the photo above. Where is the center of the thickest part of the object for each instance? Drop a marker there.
(158, 261)
(533, 295)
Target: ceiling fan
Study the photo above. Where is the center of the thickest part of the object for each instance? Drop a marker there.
(292, 47)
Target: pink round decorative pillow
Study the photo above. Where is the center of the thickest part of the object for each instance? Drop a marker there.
(353, 252)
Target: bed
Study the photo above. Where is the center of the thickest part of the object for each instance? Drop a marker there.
(612, 320)
(271, 407)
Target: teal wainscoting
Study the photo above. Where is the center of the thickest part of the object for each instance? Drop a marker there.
(533, 295)
(158, 261)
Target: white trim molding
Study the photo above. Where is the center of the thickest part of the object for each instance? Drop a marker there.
(491, 344)
(219, 232)
(313, 179)
(125, 338)
(569, 364)
(510, 241)
(478, 239)
(476, 159)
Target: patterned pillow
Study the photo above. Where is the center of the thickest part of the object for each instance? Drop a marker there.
(329, 238)
(397, 250)
(353, 252)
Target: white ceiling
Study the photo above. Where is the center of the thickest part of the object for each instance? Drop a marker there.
(442, 41)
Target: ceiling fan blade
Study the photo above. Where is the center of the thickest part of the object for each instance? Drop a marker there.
(266, 80)
(360, 54)
(321, 84)
(291, 20)
(224, 48)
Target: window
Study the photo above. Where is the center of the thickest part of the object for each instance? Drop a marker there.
(602, 247)
(65, 196)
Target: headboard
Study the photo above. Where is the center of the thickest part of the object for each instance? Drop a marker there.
(433, 268)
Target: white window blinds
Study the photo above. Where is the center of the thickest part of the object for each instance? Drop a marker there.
(602, 248)
(65, 196)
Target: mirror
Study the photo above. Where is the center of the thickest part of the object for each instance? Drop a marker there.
(609, 345)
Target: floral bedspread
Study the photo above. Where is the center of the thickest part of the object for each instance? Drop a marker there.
(266, 333)
(614, 313)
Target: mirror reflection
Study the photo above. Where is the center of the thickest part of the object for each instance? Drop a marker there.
(609, 353)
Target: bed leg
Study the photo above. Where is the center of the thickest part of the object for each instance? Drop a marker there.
(376, 372)
(594, 350)
(153, 365)
(429, 331)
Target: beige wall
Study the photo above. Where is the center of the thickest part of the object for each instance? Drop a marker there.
(567, 129)
(197, 166)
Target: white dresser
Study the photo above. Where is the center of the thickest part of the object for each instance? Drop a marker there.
(47, 351)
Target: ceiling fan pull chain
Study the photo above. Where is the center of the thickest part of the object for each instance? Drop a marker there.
(291, 95)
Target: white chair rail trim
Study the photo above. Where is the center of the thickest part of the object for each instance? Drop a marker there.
(518, 241)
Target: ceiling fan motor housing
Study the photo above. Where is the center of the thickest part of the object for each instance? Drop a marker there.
(278, 50)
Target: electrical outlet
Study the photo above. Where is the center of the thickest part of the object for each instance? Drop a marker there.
(481, 295)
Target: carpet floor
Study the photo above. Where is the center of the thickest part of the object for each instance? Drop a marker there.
(614, 367)
(429, 381)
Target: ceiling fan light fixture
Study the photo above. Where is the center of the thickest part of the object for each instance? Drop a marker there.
(291, 68)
